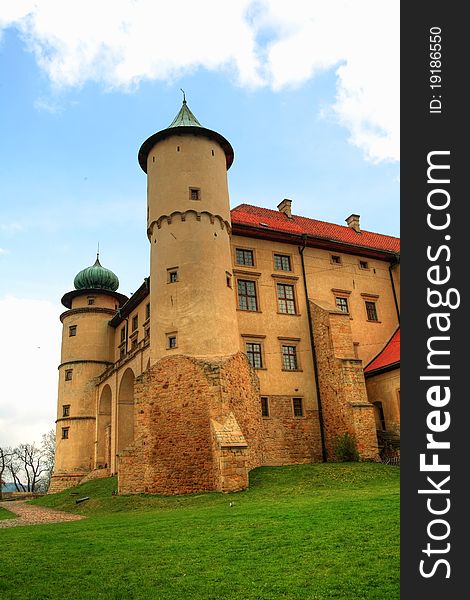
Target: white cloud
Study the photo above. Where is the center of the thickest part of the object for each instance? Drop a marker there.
(29, 357)
(120, 43)
(4, 251)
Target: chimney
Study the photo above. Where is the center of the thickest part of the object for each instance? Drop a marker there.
(285, 207)
(353, 222)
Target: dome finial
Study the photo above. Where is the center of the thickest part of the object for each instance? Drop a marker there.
(184, 96)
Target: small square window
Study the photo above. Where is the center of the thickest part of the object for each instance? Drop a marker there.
(72, 330)
(91, 301)
(135, 322)
(194, 193)
(298, 407)
(282, 262)
(289, 358)
(255, 357)
(171, 341)
(335, 259)
(342, 304)
(172, 276)
(68, 374)
(244, 257)
(371, 310)
(66, 410)
(363, 264)
(65, 433)
(264, 406)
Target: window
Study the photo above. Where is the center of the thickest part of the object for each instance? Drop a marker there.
(68, 374)
(134, 343)
(371, 311)
(123, 334)
(379, 416)
(289, 358)
(282, 262)
(285, 299)
(147, 333)
(66, 410)
(194, 193)
(264, 407)
(253, 352)
(91, 300)
(335, 259)
(135, 322)
(72, 330)
(363, 264)
(122, 351)
(244, 257)
(147, 311)
(298, 407)
(65, 433)
(172, 341)
(342, 304)
(172, 275)
(247, 299)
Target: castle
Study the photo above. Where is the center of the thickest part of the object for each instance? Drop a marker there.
(258, 338)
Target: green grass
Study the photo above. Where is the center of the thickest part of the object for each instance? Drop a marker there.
(6, 514)
(316, 532)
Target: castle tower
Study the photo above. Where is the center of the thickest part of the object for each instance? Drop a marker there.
(86, 351)
(188, 225)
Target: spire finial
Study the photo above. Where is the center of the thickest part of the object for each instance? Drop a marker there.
(184, 96)
(98, 252)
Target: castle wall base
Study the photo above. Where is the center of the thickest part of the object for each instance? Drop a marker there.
(197, 427)
(63, 481)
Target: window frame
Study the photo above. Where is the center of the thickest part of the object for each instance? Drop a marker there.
(336, 262)
(244, 250)
(65, 410)
(295, 354)
(295, 409)
(260, 354)
(338, 304)
(247, 296)
(72, 331)
(281, 256)
(197, 190)
(65, 433)
(68, 375)
(135, 323)
(368, 303)
(285, 299)
(265, 412)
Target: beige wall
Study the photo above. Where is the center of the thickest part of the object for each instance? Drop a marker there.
(385, 388)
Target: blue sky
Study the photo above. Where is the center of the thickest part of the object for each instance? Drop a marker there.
(307, 98)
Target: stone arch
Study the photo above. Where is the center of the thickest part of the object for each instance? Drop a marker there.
(125, 411)
(103, 448)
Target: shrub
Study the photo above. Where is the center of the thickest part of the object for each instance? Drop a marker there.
(345, 448)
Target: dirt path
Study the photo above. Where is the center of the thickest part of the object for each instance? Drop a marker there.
(29, 514)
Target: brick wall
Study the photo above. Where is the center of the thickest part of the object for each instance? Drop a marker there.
(342, 386)
(180, 403)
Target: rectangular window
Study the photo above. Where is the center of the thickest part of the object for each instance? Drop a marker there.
(253, 352)
(289, 358)
(264, 407)
(91, 300)
(371, 311)
(194, 193)
(298, 407)
(147, 333)
(72, 330)
(135, 322)
(335, 259)
(247, 299)
(363, 264)
(244, 257)
(122, 351)
(172, 341)
(134, 343)
(147, 311)
(66, 410)
(342, 304)
(123, 334)
(285, 299)
(65, 433)
(282, 262)
(68, 374)
(172, 275)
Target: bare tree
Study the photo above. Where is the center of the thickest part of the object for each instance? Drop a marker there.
(5, 457)
(48, 448)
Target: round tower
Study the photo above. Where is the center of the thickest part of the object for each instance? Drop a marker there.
(86, 352)
(188, 225)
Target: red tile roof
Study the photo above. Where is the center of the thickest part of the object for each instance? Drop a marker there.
(276, 221)
(389, 356)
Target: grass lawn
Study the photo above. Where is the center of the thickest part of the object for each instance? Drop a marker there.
(5, 514)
(303, 532)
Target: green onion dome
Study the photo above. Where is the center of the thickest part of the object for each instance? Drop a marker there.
(96, 278)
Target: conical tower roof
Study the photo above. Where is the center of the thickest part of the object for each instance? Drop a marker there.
(184, 123)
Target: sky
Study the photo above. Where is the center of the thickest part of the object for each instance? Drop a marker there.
(306, 91)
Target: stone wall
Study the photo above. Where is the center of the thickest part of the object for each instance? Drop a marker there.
(342, 386)
(197, 426)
